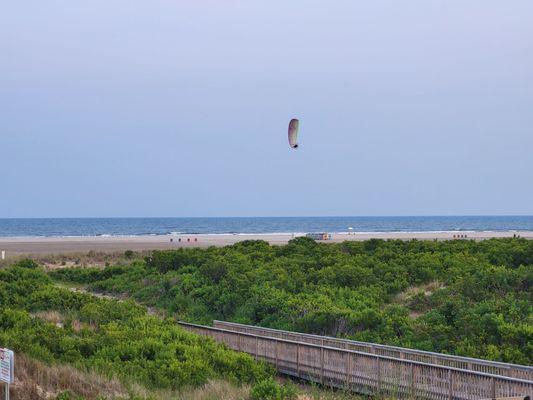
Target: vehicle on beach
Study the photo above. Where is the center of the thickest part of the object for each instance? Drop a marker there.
(319, 236)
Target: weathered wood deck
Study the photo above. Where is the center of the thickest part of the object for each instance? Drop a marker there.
(473, 364)
(365, 372)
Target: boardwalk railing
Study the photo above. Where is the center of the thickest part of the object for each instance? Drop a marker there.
(365, 372)
(473, 364)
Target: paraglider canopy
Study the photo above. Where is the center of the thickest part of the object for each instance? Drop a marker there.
(293, 133)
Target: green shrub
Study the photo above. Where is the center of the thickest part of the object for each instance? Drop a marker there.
(27, 263)
(113, 338)
(377, 291)
(269, 389)
(68, 395)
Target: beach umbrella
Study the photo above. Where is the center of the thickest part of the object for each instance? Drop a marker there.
(293, 133)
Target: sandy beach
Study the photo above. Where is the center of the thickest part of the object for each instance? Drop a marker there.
(15, 246)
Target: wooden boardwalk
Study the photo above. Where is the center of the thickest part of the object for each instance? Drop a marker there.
(473, 364)
(364, 372)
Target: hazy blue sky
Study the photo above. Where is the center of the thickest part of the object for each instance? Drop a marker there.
(180, 108)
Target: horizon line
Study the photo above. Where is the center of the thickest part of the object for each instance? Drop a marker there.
(282, 216)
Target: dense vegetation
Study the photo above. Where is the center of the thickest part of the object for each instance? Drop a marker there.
(462, 297)
(113, 338)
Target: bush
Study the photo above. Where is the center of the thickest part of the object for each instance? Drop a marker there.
(269, 389)
(113, 338)
(67, 395)
(27, 263)
(376, 291)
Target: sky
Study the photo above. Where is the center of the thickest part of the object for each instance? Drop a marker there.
(180, 108)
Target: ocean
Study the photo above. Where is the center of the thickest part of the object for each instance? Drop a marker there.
(12, 227)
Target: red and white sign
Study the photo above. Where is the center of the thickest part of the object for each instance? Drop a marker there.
(7, 364)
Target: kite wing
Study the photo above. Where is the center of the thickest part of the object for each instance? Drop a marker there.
(293, 133)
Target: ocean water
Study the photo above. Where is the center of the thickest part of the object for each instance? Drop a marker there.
(163, 226)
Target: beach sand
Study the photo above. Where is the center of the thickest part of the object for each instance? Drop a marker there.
(16, 246)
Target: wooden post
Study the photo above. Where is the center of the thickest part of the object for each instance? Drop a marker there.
(348, 371)
(277, 353)
(493, 388)
(412, 381)
(298, 359)
(322, 364)
(450, 383)
(379, 375)
(257, 347)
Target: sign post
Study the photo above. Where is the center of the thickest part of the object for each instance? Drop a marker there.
(7, 369)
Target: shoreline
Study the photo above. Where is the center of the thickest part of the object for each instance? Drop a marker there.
(28, 245)
(496, 233)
